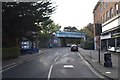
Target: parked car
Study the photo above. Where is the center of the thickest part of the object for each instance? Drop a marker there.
(74, 47)
(68, 45)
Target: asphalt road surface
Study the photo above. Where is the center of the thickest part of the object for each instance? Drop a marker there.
(56, 63)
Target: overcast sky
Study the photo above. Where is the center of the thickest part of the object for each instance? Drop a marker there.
(74, 12)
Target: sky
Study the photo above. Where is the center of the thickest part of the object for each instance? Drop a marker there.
(76, 13)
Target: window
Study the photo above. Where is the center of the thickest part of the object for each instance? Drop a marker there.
(107, 1)
(110, 0)
(103, 18)
(107, 15)
(104, 4)
(101, 8)
(111, 12)
(116, 8)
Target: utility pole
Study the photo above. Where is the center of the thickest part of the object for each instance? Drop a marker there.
(99, 49)
(98, 30)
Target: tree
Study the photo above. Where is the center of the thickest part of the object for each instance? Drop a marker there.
(22, 17)
(70, 29)
(51, 27)
(88, 30)
(47, 32)
(89, 43)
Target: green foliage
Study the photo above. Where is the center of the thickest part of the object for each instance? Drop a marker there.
(10, 53)
(50, 27)
(89, 30)
(44, 39)
(53, 27)
(73, 41)
(18, 18)
(89, 45)
(70, 29)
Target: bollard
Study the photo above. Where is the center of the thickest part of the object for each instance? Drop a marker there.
(90, 55)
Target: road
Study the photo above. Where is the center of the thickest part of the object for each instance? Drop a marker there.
(56, 63)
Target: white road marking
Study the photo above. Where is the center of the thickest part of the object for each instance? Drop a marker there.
(15, 64)
(80, 56)
(7, 68)
(49, 74)
(9, 65)
(108, 72)
(56, 58)
(68, 66)
(90, 66)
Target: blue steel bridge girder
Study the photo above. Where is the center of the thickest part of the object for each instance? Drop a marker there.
(70, 35)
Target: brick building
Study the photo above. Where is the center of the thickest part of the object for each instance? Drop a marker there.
(107, 13)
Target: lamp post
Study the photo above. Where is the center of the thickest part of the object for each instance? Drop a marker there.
(98, 30)
(99, 49)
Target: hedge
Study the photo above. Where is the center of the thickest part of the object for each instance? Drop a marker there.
(10, 53)
(89, 45)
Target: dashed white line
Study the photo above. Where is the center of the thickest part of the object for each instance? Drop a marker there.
(68, 66)
(90, 67)
(56, 58)
(50, 70)
(108, 72)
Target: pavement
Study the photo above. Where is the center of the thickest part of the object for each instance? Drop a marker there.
(92, 57)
